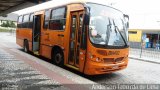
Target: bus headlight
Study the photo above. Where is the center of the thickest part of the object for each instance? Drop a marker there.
(94, 58)
(91, 56)
(97, 59)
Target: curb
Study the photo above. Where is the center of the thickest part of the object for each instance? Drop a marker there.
(140, 59)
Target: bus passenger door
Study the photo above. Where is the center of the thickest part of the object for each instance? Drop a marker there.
(36, 33)
(75, 58)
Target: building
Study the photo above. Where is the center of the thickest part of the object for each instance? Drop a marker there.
(148, 38)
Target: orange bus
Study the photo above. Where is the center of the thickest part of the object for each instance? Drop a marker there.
(87, 36)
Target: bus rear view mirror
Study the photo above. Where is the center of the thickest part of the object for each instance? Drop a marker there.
(126, 17)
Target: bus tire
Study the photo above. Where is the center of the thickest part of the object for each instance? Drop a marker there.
(58, 57)
(26, 46)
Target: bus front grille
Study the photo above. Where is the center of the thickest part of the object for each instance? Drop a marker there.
(113, 60)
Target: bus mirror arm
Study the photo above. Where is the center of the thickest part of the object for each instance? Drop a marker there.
(84, 28)
(126, 17)
(87, 15)
(86, 19)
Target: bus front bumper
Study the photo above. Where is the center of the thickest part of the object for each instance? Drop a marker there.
(93, 68)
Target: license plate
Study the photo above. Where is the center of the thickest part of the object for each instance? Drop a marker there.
(115, 67)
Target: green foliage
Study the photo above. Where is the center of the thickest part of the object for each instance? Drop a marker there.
(8, 24)
(12, 24)
(3, 24)
(4, 29)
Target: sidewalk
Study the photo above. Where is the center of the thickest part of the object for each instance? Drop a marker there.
(145, 55)
(19, 70)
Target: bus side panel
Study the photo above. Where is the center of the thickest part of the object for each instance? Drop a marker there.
(30, 46)
(48, 41)
(24, 34)
(46, 51)
(19, 41)
(66, 36)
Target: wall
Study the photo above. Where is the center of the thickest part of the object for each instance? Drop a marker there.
(135, 35)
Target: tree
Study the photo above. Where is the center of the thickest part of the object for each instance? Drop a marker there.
(12, 24)
(8, 24)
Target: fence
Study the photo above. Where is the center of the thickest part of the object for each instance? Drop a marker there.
(140, 50)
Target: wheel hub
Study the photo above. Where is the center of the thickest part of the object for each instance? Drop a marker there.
(58, 58)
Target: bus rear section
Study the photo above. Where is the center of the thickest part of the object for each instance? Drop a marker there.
(24, 31)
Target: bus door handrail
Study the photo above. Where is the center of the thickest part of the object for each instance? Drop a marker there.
(36, 35)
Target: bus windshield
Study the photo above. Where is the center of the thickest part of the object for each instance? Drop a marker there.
(107, 26)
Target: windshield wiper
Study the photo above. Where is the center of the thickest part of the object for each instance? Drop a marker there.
(117, 29)
(108, 31)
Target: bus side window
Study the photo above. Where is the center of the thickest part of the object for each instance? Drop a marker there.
(80, 27)
(19, 23)
(31, 21)
(58, 19)
(46, 19)
(25, 21)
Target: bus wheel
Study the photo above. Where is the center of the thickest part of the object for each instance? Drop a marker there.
(26, 46)
(58, 57)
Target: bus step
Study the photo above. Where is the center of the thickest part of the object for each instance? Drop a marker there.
(72, 67)
(36, 53)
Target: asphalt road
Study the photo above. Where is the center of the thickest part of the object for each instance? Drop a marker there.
(137, 72)
(15, 68)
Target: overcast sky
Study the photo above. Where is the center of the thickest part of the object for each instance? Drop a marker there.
(144, 14)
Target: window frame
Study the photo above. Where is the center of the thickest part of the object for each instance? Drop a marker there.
(31, 22)
(19, 24)
(27, 17)
(65, 15)
(45, 28)
(25, 22)
(19, 17)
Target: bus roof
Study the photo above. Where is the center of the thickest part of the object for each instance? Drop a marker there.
(56, 3)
